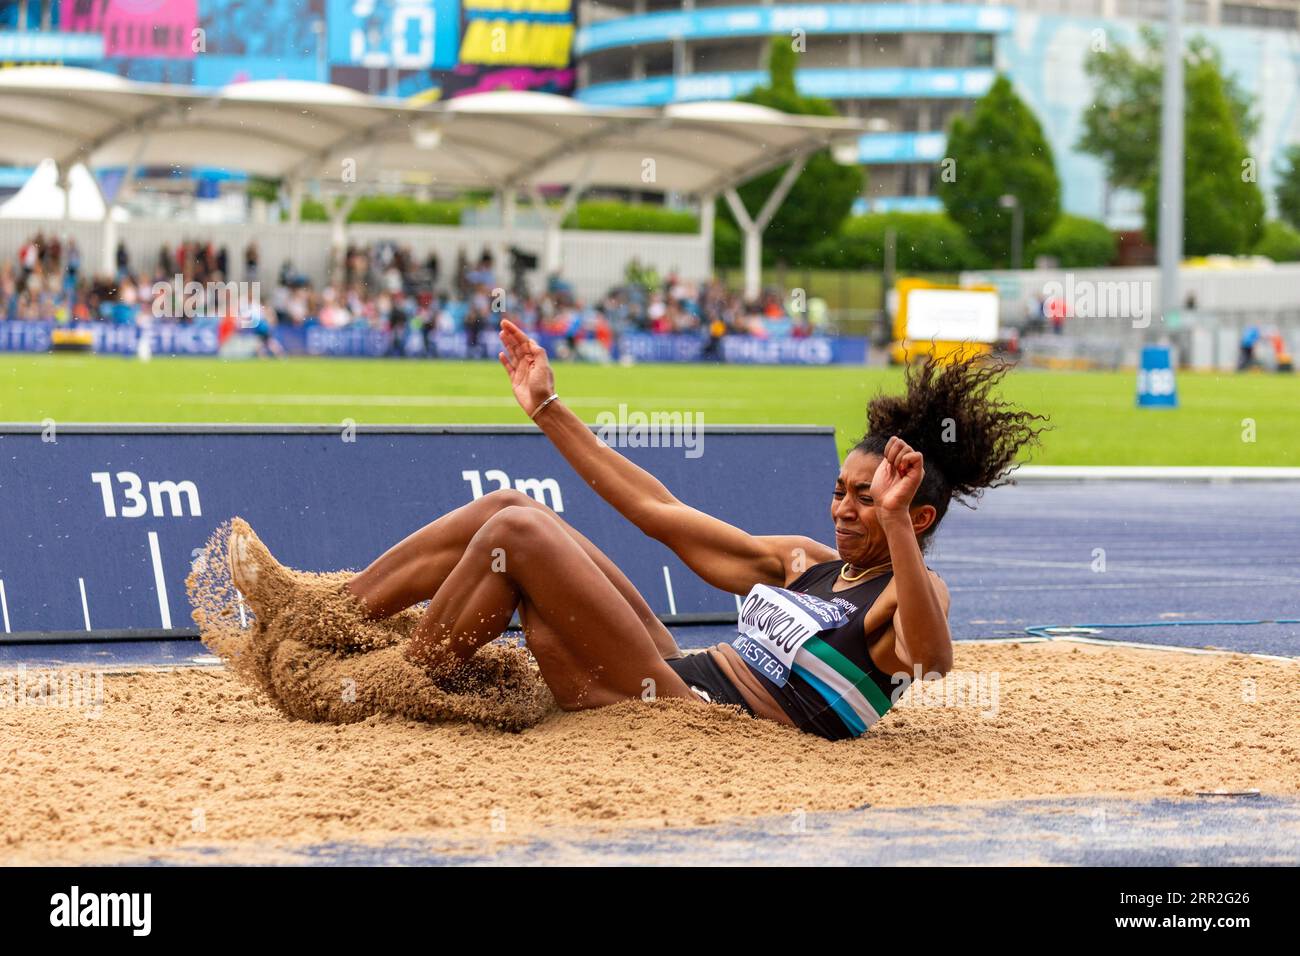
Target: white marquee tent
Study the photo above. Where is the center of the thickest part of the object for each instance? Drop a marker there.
(43, 196)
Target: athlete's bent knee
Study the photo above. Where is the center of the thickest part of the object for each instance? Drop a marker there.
(518, 526)
(495, 501)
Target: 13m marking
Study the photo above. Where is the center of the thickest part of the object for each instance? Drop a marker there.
(545, 490)
(167, 499)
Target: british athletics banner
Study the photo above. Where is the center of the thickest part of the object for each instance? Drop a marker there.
(166, 338)
(201, 338)
(633, 346)
(745, 349)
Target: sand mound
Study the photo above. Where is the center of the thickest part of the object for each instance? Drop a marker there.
(318, 658)
(195, 758)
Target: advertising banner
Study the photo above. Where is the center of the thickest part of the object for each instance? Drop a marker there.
(160, 29)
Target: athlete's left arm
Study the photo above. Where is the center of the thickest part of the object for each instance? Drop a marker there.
(934, 658)
(921, 636)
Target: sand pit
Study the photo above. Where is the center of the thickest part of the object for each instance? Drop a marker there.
(196, 758)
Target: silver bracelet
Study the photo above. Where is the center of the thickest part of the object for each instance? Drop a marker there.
(538, 410)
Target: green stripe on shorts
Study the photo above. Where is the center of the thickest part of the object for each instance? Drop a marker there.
(867, 687)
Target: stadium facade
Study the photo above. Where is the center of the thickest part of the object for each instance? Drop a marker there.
(907, 68)
(904, 68)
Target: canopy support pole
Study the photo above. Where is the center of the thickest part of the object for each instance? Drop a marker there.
(551, 221)
(339, 236)
(108, 229)
(296, 191)
(295, 201)
(551, 246)
(708, 215)
(508, 202)
(65, 183)
(753, 227)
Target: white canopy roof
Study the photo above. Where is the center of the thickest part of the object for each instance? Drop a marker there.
(308, 130)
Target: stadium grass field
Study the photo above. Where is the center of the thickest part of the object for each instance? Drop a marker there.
(1095, 421)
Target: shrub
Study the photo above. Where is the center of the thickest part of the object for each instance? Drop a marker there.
(1281, 243)
(926, 242)
(1075, 242)
(629, 217)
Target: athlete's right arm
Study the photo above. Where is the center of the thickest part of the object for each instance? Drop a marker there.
(720, 553)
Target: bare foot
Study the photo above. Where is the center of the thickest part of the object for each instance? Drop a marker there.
(265, 583)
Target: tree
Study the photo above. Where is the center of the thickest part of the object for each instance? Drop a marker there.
(823, 194)
(1122, 126)
(1000, 149)
(1287, 192)
(1223, 206)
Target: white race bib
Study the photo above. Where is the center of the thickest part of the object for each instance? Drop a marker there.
(774, 623)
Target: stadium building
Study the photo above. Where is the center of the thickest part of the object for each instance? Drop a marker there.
(416, 50)
(907, 68)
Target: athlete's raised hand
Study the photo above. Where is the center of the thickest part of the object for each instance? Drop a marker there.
(525, 362)
(897, 477)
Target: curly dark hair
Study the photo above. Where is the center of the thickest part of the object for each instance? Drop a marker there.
(970, 438)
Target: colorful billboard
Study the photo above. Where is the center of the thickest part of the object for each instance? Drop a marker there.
(486, 45)
(537, 33)
(158, 29)
(394, 34)
(403, 48)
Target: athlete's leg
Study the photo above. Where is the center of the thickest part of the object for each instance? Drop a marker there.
(590, 644)
(414, 569)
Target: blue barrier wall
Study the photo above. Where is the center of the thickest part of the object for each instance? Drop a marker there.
(116, 509)
(167, 338)
(200, 338)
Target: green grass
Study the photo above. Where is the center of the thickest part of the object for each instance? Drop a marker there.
(1093, 414)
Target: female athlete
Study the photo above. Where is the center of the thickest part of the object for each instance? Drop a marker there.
(827, 635)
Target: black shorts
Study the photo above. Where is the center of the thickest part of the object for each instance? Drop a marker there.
(703, 675)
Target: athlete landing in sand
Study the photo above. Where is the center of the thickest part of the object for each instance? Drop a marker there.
(825, 632)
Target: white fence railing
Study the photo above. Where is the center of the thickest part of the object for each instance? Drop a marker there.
(1262, 289)
(1112, 313)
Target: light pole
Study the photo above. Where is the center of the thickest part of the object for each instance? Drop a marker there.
(1170, 240)
(1017, 227)
(1156, 387)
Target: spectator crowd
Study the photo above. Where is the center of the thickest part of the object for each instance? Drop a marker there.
(380, 286)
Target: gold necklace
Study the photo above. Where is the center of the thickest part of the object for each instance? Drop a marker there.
(862, 574)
